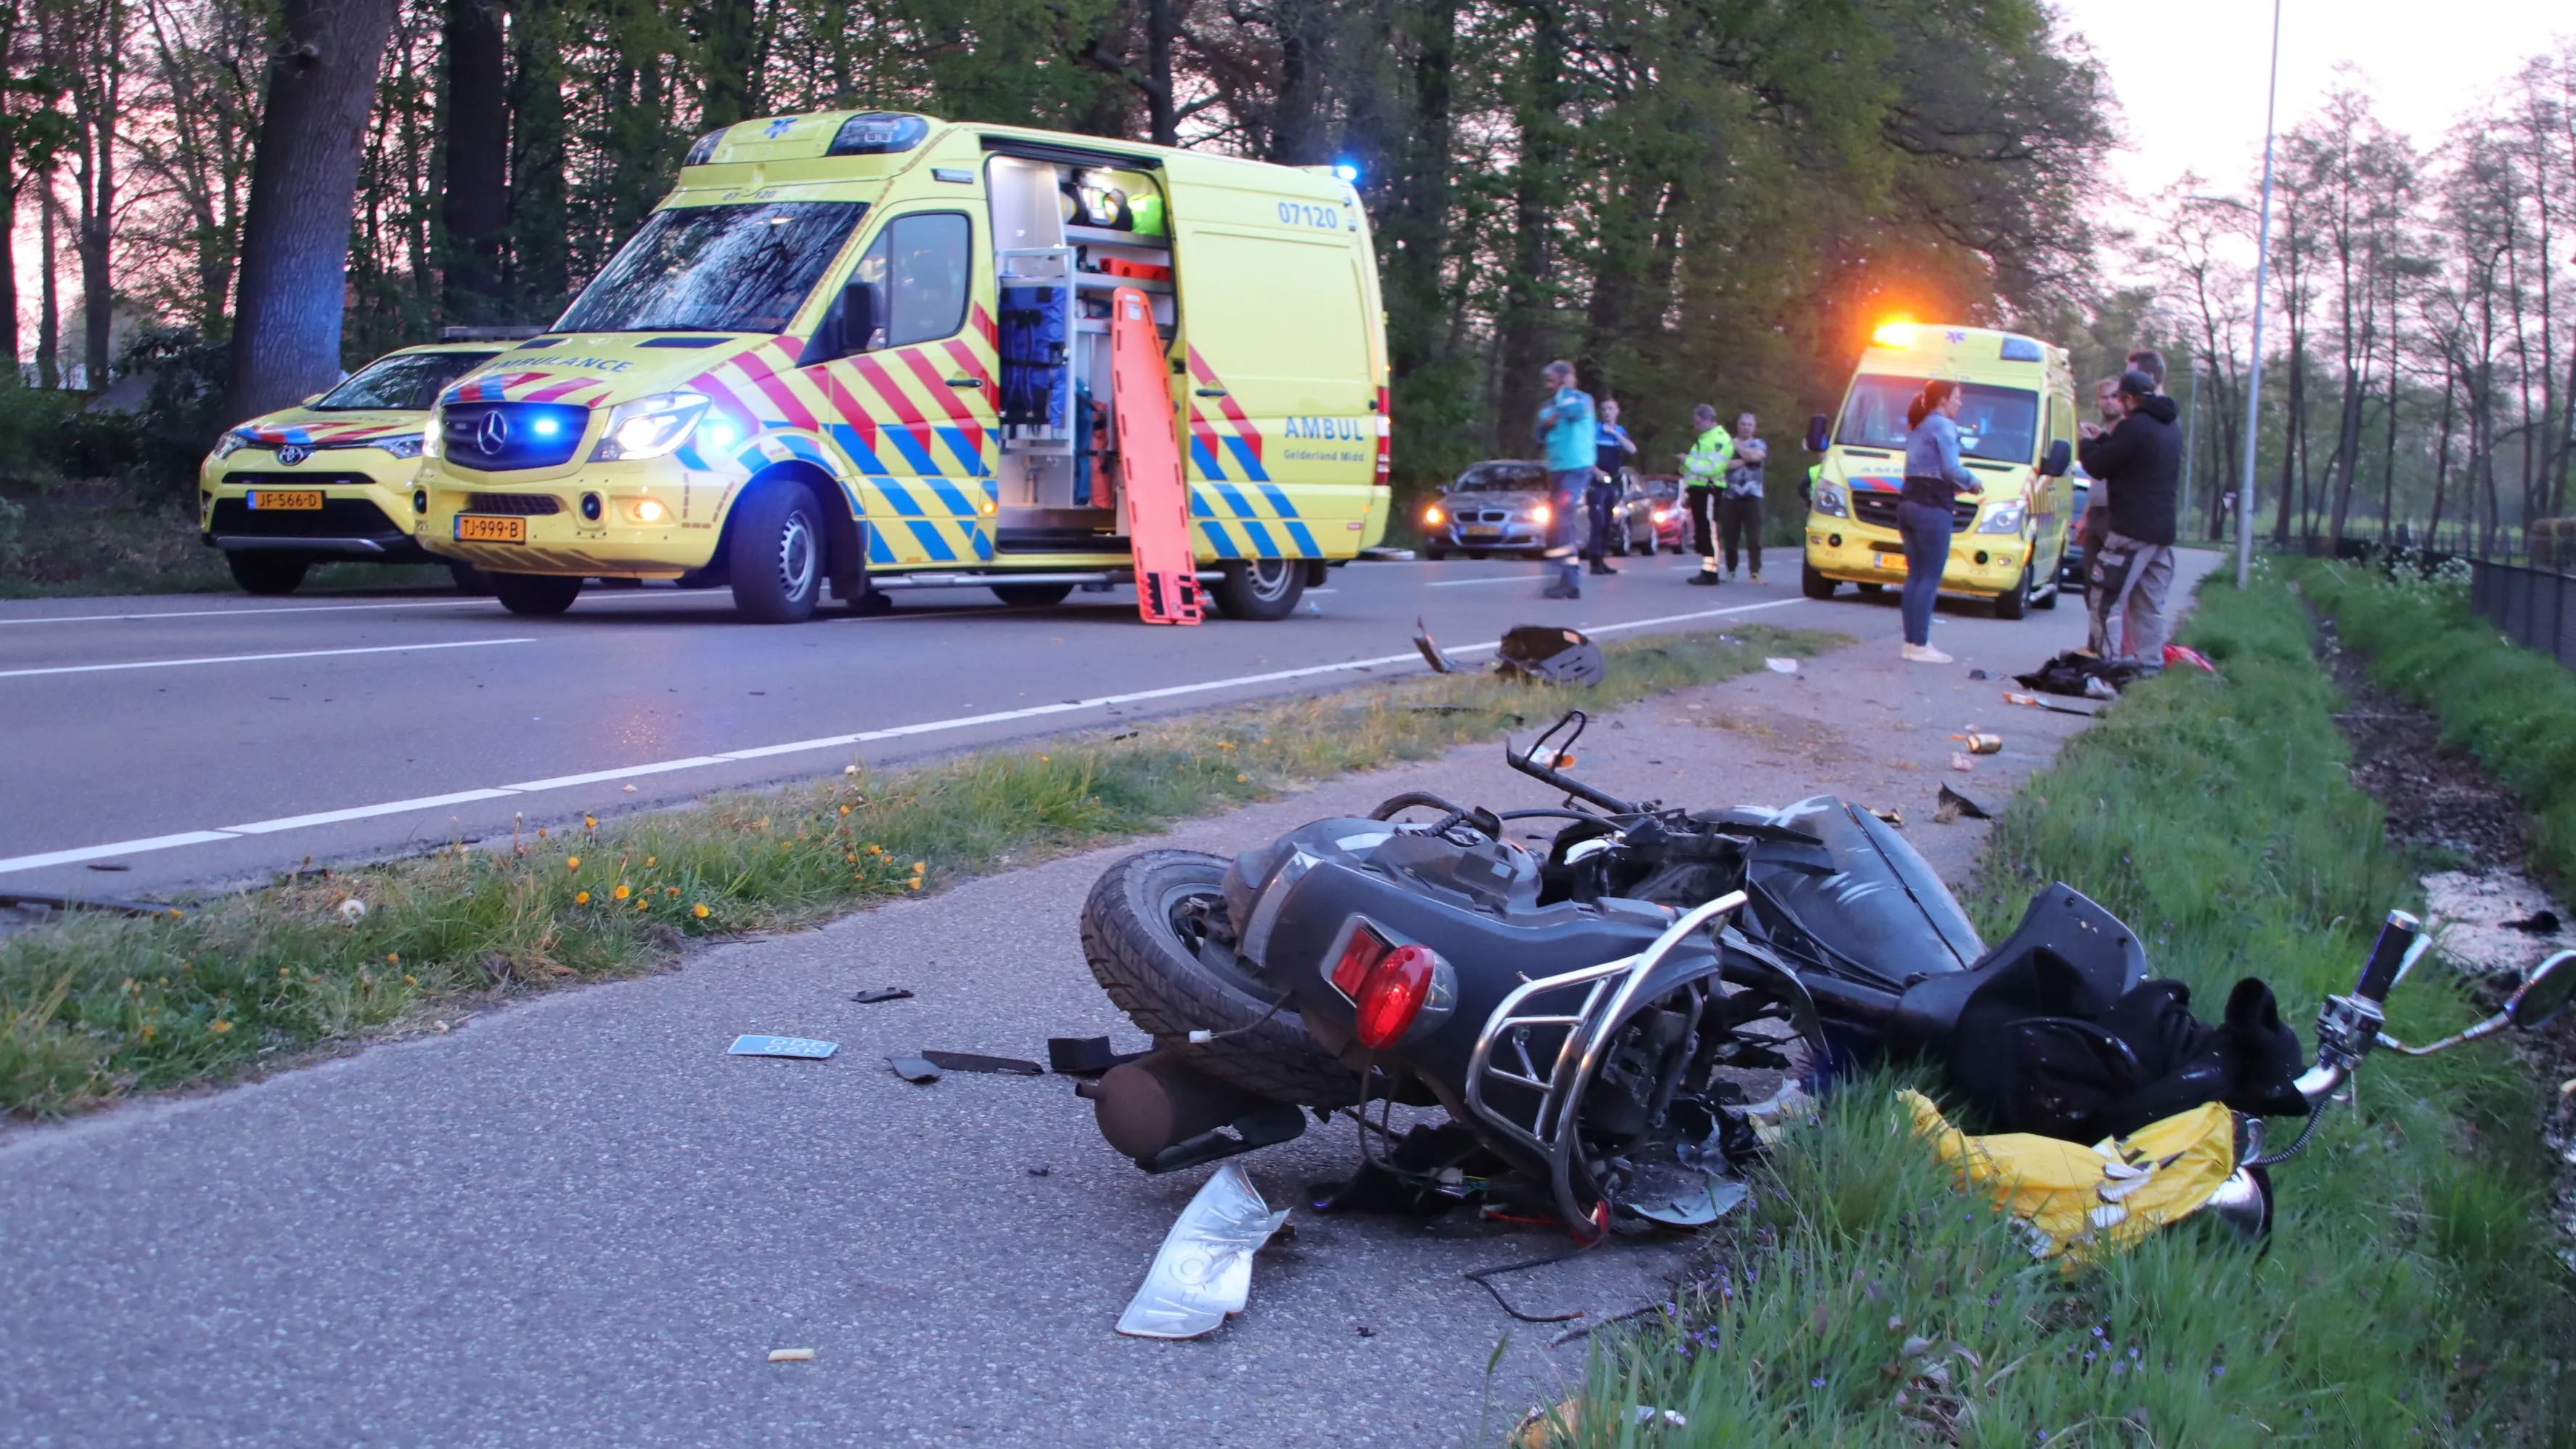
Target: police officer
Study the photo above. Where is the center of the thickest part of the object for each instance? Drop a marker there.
(1611, 452)
(1704, 482)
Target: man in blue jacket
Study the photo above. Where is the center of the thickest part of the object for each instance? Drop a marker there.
(1570, 435)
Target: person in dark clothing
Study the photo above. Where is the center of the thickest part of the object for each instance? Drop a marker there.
(1739, 509)
(1611, 452)
(1934, 479)
(2140, 461)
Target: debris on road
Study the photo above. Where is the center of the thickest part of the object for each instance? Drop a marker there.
(1548, 654)
(782, 1046)
(2538, 923)
(1892, 817)
(1953, 806)
(1084, 1056)
(1982, 744)
(972, 1062)
(1440, 663)
(882, 993)
(913, 1069)
(791, 1355)
(1714, 1198)
(2185, 654)
(2037, 703)
(1781, 666)
(1560, 1426)
(1961, 761)
(1977, 674)
(1203, 1271)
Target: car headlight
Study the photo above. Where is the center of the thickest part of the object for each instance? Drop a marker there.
(1542, 515)
(2006, 517)
(1433, 517)
(649, 426)
(1829, 501)
(229, 444)
(406, 445)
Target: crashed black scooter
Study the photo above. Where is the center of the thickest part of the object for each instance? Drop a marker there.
(1588, 1012)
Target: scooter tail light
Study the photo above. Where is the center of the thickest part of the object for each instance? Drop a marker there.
(1350, 974)
(1394, 993)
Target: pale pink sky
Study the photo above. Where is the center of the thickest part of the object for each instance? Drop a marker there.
(2190, 73)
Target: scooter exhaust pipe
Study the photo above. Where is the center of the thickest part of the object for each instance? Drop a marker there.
(1158, 1101)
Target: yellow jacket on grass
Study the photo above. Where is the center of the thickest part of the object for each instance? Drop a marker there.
(2081, 1200)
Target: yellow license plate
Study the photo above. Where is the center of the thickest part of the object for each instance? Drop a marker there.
(307, 500)
(473, 529)
(1894, 561)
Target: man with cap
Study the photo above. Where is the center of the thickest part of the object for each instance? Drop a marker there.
(2139, 460)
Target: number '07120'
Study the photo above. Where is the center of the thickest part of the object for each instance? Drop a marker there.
(1297, 213)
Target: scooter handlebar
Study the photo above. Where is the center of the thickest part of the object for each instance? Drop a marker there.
(2387, 956)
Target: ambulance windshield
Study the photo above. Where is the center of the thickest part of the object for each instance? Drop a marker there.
(404, 382)
(1996, 424)
(716, 268)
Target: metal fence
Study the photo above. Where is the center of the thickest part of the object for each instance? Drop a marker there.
(2536, 608)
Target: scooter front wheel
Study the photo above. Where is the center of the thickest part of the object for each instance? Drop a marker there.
(1153, 931)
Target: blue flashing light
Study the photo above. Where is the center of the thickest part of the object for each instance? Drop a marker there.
(1346, 171)
(548, 427)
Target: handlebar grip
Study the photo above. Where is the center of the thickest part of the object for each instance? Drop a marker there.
(2387, 954)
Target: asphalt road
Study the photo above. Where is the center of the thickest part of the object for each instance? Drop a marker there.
(160, 744)
(577, 1221)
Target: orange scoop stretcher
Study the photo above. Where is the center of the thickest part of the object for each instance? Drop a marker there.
(1149, 464)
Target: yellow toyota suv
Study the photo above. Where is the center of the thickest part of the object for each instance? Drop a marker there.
(870, 351)
(330, 480)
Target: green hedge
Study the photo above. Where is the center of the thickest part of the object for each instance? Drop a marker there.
(2512, 709)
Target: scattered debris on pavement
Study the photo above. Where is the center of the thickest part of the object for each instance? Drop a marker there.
(1955, 806)
(1203, 1271)
(913, 1069)
(2184, 654)
(2037, 703)
(1961, 761)
(1781, 666)
(782, 1046)
(975, 1062)
(791, 1355)
(1982, 744)
(1547, 654)
(882, 993)
(1431, 654)
(2077, 1200)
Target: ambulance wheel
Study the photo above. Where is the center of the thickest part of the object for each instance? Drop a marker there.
(1265, 588)
(1814, 584)
(266, 573)
(1032, 596)
(535, 593)
(777, 554)
(2015, 601)
(470, 580)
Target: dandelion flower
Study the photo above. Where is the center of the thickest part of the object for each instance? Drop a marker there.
(572, 862)
(581, 898)
(648, 860)
(219, 1027)
(919, 866)
(393, 958)
(1242, 779)
(699, 910)
(915, 883)
(590, 822)
(845, 809)
(670, 890)
(148, 1031)
(643, 903)
(410, 980)
(282, 971)
(621, 893)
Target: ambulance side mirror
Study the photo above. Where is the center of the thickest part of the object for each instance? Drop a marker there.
(2059, 455)
(1819, 430)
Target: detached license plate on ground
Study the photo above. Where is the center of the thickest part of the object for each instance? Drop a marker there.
(269, 500)
(472, 528)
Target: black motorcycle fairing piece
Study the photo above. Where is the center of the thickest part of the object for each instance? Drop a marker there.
(1860, 903)
(2095, 960)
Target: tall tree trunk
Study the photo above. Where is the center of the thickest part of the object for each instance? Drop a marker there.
(1297, 135)
(2442, 453)
(9, 180)
(1162, 114)
(99, 87)
(540, 253)
(475, 143)
(2347, 457)
(1416, 230)
(730, 70)
(295, 235)
(2291, 433)
(1539, 157)
(49, 300)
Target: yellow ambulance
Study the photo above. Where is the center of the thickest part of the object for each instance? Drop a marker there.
(330, 479)
(869, 351)
(2016, 434)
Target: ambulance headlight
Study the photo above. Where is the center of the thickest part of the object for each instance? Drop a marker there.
(649, 426)
(401, 445)
(2005, 517)
(1829, 501)
(229, 444)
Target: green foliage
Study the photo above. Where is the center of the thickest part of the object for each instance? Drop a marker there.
(32, 421)
(102, 1006)
(2410, 1292)
(2512, 709)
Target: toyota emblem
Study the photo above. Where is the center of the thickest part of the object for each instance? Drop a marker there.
(493, 435)
(293, 453)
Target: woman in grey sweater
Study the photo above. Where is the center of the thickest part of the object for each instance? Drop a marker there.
(1934, 478)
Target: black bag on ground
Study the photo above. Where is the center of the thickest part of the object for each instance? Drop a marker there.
(1547, 654)
(2067, 673)
(2034, 1053)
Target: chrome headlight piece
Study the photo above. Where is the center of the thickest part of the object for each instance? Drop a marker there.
(401, 445)
(1829, 500)
(649, 427)
(2005, 517)
(231, 443)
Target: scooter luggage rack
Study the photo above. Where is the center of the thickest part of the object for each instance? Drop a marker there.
(1550, 1131)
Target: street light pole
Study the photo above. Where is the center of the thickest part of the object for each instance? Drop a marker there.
(2254, 379)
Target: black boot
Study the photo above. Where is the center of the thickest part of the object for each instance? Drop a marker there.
(1600, 567)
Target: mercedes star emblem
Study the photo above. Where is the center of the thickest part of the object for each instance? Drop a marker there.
(493, 435)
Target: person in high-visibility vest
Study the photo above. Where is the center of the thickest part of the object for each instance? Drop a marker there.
(1704, 482)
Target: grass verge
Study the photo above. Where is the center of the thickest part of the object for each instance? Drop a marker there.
(2512, 709)
(101, 1007)
(2410, 1292)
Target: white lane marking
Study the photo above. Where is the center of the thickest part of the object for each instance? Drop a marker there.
(758, 752)
(1497, 579)
(461, 601)
(255, 658)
